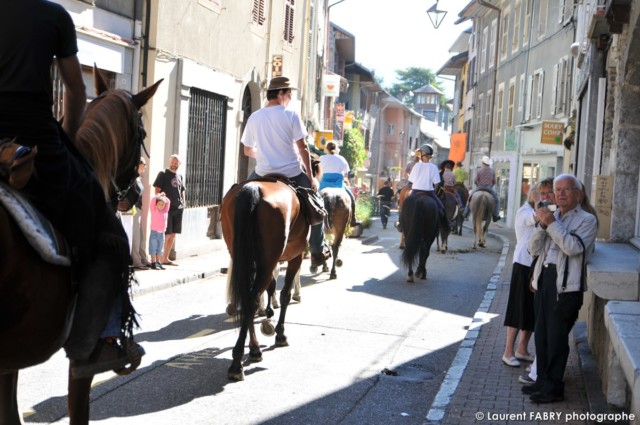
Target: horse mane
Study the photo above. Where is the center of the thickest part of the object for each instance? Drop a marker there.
(104, 125)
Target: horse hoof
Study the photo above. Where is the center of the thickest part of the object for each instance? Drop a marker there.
(410, 279)
(297, 298)
(313, 269)
(261, 312)
(255, 357)
(231, 310)
(325, 269)
(281, 342)
(338, 263)
(333, 276)
(235, 376)
(267, 327)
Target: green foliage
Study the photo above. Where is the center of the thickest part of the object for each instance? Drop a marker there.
(353, 148)
(411, 79)
(364, 209)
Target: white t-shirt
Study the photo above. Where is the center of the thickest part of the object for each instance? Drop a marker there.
(334, 164)
(273, 132)
(424, 176)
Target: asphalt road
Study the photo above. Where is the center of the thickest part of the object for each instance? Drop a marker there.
(367, 348)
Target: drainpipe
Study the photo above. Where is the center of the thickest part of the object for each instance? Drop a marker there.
(495, 68)
(267, 60)
(145, 37)
(137, 35)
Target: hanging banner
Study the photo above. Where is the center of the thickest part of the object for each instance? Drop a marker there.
(552, 133)
(330, 85)
(458, 147)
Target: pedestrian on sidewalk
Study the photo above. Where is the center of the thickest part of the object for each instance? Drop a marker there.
(171, 184)
(138, 249)
(159, 211)
(563, 241)
(519, 316)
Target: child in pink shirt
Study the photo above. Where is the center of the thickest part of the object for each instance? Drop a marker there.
(159, 210)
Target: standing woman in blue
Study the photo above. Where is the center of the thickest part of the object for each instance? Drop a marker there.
(334, 170)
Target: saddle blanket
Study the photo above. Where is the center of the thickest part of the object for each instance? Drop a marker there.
(35, 227)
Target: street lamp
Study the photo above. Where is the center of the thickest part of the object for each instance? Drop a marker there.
(436, 16)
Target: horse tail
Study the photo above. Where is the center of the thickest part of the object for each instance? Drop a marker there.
(329, 205)
(413, 224)
(246, 243)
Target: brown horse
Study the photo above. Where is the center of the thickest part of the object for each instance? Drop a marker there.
(338, 206)
(463, 192)
(451, 211)
(482, 204)
(36, 297)
(262, 224)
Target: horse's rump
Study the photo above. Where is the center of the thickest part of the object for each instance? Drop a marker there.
(419, 218)
(338, 205)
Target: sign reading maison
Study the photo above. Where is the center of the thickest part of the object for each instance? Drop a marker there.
(552, 133)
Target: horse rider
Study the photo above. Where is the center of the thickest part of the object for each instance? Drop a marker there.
(334, 170)
(275, 137)
(424, 178)
(485, 180)
(449, 180)
(32, 34)
(416, 158)
(460, 174)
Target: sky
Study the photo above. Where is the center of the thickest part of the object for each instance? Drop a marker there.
(397, 34)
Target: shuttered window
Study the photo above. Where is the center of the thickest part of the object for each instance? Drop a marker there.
(257, 14)
(289, 13)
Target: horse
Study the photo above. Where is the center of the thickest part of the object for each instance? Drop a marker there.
(451, 211)
(262, 225)
(482, 204)
(419, 218)
(338, 206)
(404, 193)
(463, 192)
(36, 298)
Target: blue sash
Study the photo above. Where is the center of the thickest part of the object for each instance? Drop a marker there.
(332, 180)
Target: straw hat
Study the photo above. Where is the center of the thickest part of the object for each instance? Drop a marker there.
(487, 160)
(280, 83)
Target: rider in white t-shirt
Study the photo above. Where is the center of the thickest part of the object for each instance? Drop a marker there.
(334, 170)
(424, 178)
(275, 137)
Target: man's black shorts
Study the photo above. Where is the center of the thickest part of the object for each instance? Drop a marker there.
(174, 221)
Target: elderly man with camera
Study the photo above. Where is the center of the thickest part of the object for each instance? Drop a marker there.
(562, 242)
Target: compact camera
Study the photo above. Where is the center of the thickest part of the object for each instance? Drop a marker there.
(548, 205)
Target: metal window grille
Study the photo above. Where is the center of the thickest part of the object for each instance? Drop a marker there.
(205, 148)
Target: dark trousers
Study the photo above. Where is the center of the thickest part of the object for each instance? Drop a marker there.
(551, 335)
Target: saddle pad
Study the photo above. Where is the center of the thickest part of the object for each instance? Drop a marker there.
(35, 227)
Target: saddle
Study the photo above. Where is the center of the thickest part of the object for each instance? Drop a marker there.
(38, 231)
(311, 203)
(16, 162)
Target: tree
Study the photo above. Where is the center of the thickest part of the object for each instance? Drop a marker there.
(412, 79)
(353, 148)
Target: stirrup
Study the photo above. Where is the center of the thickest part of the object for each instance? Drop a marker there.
(134, 353)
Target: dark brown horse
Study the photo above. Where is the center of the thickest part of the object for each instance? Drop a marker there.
(262, 224)
(451, 211)
(419, 221)
(404, 193)
(482, 204)
(338, 206)
(463, 192)
(35, 296)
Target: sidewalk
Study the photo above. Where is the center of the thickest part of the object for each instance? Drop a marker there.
(479, 388)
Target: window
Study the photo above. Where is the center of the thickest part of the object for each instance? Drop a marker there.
(512, 98)
(515, 40)
(499, 108)
(566, 11)
(521, 95)
(257, 13)
(487, 112)
(526, 23)
(561, 87)
(505, 35)
(480, 113)
(289, 14)
(542, 18)
(493, 36)
(483, 51)
(529, 102)
(392, 130)
(537, 92)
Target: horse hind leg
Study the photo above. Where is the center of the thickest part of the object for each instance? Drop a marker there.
(9, 413)
(293, 267)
